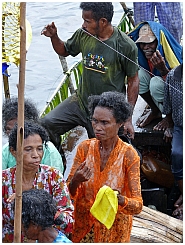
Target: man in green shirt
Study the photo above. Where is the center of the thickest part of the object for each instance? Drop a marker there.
(109, 57)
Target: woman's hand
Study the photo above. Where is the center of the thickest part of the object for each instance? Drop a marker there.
(11, 198)
(49, 30)
(121, 198)
(82, 174)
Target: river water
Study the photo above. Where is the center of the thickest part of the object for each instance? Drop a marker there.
(43, 68)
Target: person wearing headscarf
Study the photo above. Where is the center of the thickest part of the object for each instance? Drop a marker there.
(158, 53)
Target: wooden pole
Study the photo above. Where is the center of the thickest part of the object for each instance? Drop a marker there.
(65, 69)
(6, 86)
(123, 4)
(20, 131)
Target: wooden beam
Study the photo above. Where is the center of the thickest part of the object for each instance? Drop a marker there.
(20, 131)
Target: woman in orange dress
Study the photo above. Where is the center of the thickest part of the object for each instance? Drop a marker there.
(105, 160)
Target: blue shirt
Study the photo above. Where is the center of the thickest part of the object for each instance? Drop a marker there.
(61, 238)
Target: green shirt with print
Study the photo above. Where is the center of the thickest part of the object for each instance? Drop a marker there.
(104, 69)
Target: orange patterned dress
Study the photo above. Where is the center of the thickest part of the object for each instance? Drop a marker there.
(122, 172)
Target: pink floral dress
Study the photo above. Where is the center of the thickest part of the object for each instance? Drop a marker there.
(47, 178)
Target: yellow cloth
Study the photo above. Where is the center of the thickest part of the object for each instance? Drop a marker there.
(105, 206)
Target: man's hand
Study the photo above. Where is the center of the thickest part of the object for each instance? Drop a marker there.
(168, 135)
(49, 30)
(129, 129)
(159, 63)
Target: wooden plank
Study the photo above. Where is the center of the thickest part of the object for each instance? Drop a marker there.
(153, 226)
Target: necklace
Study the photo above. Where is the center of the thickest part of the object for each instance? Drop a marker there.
(105, 149)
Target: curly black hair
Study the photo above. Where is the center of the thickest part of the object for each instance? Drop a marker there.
(39, 207)
(30, 128)
(114, 101)
(10, 111)
(99, 10)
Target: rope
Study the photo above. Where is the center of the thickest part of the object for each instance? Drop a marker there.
(128, 58)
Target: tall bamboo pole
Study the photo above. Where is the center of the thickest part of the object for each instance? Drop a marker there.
(20, 131)
(65, 69)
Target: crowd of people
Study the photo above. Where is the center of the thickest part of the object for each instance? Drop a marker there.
(147, 63)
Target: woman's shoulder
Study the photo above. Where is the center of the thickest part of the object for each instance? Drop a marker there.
(47, 168)
(86, 143)
(5, 147)
(9, 170)
(49, 147)
(49, 171)
(8, 160)
(8, 173)
(127, 147)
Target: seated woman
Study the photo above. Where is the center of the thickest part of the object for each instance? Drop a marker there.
(38, 217)
(105, 160)
(51, 155)
(35, 175)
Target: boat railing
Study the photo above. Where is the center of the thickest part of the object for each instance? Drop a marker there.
(62, 92)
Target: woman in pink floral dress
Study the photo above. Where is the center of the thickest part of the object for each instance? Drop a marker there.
(35, 175)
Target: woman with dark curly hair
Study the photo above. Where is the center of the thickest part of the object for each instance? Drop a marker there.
(10, 113)
(34, 176)
(38, 217)
(105, 161)
(51, 155)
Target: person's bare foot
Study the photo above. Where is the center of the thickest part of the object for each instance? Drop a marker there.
(178, 212)
(147, 118)
(179, 201)
(162, 125)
